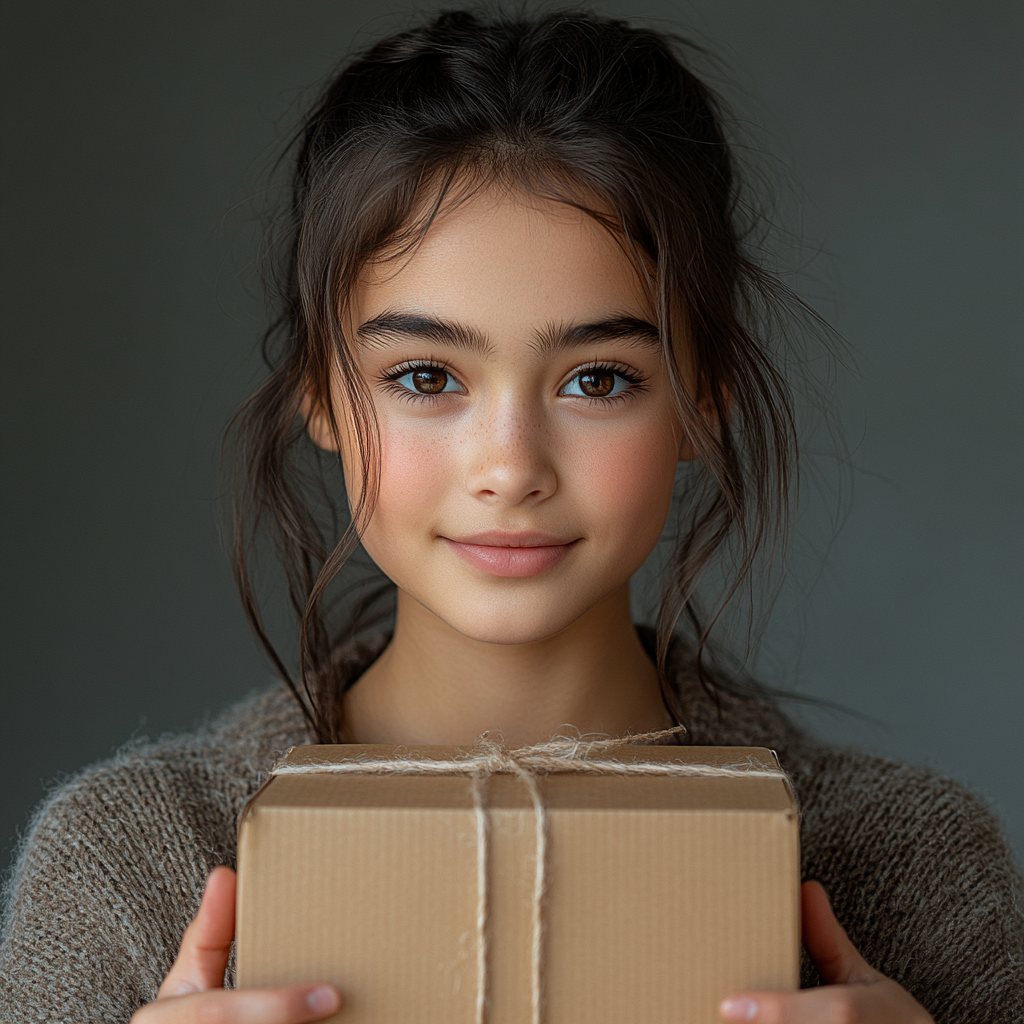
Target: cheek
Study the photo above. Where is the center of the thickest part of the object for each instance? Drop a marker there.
(413, 483)
(626, 478)
(410, 471)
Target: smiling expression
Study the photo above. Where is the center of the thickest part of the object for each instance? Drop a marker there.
(528, 439)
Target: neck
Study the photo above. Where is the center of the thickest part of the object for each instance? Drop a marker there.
(434, 685)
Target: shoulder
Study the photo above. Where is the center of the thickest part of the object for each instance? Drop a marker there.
(915, 864)
(896, 815)
(114, 862)
(921, 877)
(192, 781)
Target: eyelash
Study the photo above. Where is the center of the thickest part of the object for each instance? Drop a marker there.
(636, 381)
(390, 378)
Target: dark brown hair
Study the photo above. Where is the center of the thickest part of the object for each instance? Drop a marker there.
(572, 106)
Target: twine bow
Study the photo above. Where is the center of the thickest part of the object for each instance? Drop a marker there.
(560, 755)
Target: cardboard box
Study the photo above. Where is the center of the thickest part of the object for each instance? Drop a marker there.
(663, 894)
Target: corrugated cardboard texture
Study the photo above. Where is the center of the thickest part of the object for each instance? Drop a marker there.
(665, 894)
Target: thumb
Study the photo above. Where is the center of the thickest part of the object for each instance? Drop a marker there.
(827, 943)
(206, 944)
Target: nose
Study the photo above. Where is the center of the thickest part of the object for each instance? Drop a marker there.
(509, 456)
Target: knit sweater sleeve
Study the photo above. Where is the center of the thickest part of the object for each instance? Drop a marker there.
(110, 873)
(114, 864)
(922, 880)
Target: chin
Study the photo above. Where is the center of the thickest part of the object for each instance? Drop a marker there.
(507, 626)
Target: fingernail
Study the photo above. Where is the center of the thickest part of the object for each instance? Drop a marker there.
(323, 999)
(738, 1009)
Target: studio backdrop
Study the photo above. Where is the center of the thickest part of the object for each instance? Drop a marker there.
(138, 140)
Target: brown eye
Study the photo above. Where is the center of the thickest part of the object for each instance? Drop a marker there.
(429, 382)
(597, 383)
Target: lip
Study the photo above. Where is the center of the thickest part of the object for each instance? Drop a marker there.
(503, 553)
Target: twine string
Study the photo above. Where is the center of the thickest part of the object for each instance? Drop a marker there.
(482, 893)
(561, 755)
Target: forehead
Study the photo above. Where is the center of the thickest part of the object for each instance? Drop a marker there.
(505, 261)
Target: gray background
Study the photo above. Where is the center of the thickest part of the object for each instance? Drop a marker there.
(136, 138)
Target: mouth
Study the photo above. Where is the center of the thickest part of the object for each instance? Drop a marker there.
(502, 553)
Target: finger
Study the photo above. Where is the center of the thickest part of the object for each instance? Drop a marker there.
(830, 1005)
(293, 1004)
(827, 943)
(206, 944)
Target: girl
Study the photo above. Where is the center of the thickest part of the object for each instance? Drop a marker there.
(517, 310)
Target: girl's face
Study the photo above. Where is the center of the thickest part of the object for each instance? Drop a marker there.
(528, 437)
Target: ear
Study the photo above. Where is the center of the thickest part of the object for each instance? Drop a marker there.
(712, 418)
(687, 453)
(318, 423)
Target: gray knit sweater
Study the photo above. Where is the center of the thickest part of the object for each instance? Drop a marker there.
(113, 867)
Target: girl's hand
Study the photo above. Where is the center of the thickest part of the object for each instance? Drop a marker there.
(853, 993)
(193, 990)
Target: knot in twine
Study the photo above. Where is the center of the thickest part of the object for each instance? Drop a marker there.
(563, 754)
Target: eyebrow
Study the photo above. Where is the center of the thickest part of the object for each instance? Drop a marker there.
(392, 326)
(558, 338)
